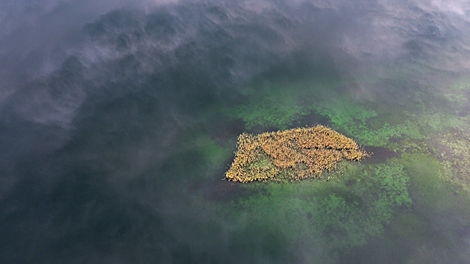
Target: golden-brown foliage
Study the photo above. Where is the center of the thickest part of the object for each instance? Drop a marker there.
(295, 154)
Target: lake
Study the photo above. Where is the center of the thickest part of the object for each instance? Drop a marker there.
(119, 119)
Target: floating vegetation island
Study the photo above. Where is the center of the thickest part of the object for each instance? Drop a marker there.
(293, 154)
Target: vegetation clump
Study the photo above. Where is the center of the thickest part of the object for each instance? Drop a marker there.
(292, 154)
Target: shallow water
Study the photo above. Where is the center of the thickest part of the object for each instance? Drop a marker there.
(116, 132)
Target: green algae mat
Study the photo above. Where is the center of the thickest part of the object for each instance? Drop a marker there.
(411, 195)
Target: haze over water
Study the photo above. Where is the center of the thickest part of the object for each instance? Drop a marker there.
(118, 120)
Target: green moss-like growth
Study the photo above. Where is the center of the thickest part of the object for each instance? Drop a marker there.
(278, 108)
(424, 127)
(352, 207)
(367, 126)
(453, 148)
(272, 113)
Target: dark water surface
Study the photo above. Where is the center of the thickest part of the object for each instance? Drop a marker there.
(118, 120)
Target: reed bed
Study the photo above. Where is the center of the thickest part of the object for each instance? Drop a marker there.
(293, 154)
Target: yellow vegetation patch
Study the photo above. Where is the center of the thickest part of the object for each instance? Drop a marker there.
(291, 154)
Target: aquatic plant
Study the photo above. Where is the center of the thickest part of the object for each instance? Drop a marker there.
(453, 149)
(291, 154)
(346, 211)
(273, 111)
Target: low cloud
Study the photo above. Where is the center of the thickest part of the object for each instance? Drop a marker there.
(94, 96)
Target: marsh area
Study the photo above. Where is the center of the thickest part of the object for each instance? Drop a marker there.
(119, 120)
(409, 202)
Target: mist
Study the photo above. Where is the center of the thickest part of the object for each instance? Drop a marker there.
(115, 137)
